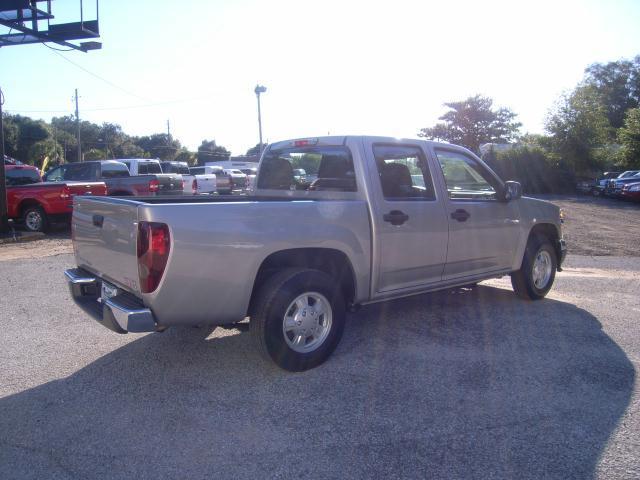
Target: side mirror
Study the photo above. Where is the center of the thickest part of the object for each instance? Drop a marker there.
(512, 190)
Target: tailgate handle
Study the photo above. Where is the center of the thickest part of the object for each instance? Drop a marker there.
(98, 220)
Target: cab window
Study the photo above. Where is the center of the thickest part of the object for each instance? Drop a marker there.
(404, 173)
(465, 177)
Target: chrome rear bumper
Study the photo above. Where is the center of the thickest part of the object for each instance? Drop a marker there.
(122, 313)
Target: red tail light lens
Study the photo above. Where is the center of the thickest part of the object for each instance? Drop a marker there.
(66, 192)
(154, 244)
(154, 185)
(194, 185)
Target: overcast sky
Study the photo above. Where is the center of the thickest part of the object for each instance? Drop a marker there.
(338, 67)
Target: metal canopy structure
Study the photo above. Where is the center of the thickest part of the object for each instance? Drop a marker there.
(31, 19)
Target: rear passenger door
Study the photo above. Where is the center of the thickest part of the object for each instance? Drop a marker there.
(410, 225)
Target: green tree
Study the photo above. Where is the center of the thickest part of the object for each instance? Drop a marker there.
(579, 125)
(159, 145)
(629, 138)
(11, 133)
(472, 122)
(43, 148)
(209, 151)
(617, 85)
(254, 150)
(186, 156)
(95, 154)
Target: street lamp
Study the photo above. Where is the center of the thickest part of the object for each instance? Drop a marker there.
(258, 90)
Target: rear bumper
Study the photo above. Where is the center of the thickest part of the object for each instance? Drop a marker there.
(122, 313)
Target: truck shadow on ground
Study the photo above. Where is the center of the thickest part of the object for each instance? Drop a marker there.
(462, 383)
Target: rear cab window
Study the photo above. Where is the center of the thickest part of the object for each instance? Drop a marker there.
(114, 170)
(147, 168)
(327, 168)
(21, 176)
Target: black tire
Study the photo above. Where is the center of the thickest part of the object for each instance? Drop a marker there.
(523, 282)
(35, 219)
(271, 305)
(595, 192)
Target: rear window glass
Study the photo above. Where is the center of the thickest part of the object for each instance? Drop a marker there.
(168, 167)
(197, 171)
(114, 170)
(20, 176)
(326, 169)
(146, 168)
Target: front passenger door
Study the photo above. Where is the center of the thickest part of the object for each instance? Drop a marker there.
(483, 230)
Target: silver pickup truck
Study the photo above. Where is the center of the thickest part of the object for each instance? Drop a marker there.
(383, 218)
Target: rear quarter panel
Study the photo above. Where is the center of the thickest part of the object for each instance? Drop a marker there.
(217, 249)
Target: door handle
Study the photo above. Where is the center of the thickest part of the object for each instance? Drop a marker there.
(460, 215)
(98, 220)
(395, 217)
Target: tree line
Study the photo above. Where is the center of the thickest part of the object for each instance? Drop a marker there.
(592, 128)
(30, 140)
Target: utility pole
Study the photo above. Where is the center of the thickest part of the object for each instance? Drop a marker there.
(168, 130)
(4, 217)
(78, 129)
(258, 90)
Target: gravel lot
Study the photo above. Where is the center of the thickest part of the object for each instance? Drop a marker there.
(457, 384)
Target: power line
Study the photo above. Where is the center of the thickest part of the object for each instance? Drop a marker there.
(98, 76)
(95, 109)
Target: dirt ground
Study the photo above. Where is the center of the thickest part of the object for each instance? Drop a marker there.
(600, 226)
(593, 226)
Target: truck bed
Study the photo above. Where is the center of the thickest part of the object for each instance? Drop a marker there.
(217, 246)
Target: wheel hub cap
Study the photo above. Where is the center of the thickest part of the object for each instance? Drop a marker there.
(542, 269)
(307, 322)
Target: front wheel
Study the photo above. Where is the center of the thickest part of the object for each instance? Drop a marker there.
(297, 318)
(535, 278)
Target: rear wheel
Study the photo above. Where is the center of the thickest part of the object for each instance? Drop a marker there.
(35, 219)
(535, 278)
(595, 192)
(297, 318)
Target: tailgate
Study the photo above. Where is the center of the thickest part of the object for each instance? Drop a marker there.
(87, 188)
(206, 183)
(104, 239)
(169, 183)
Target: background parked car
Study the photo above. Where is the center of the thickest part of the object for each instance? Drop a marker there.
(206, 180)
(251, 177)
(238, 179)
(38, 204)
(631, 191)
(614, 186)
(117, 178)
(181, 168)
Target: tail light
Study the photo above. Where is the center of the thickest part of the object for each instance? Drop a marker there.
(154, 244)
(154, 185)
(66, 192)
(194, 185)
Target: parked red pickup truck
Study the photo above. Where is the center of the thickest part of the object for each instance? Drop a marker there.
(37, 203)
